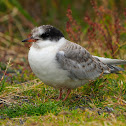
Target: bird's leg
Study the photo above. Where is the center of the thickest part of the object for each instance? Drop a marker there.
(60, 94)
(68, 92)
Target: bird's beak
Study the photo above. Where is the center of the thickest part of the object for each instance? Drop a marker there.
(29, 40)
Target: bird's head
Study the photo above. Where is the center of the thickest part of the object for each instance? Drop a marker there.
(43, 33)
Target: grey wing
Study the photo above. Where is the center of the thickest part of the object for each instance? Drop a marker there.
(80, 64)
(111, 63)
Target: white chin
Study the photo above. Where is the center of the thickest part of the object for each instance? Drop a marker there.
(44, 43)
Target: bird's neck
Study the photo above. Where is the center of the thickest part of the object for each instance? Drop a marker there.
(47, 43)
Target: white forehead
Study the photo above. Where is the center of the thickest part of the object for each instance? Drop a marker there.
(37, 31)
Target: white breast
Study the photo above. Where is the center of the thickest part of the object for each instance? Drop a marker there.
(43, 63)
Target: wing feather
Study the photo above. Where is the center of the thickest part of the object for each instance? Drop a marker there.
(79, 62)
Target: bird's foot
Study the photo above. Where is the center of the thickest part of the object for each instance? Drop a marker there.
(68, 92)
(60, 95)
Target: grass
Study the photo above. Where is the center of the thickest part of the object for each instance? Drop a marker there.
(29, 109)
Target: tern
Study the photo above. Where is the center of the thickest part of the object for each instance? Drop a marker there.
(63, 64)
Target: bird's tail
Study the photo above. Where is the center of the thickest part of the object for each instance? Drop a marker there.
(114, 68)
(111, 63)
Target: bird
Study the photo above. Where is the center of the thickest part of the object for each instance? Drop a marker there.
(63, 64)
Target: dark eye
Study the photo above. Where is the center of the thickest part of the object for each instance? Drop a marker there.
(44, 36)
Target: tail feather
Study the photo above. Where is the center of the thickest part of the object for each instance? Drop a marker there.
(111, 63)
(115, 69)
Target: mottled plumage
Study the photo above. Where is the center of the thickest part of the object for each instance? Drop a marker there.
(80, 63)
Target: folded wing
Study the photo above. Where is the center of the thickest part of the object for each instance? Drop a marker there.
(80, 63)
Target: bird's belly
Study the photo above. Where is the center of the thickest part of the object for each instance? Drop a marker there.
(46, 68)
